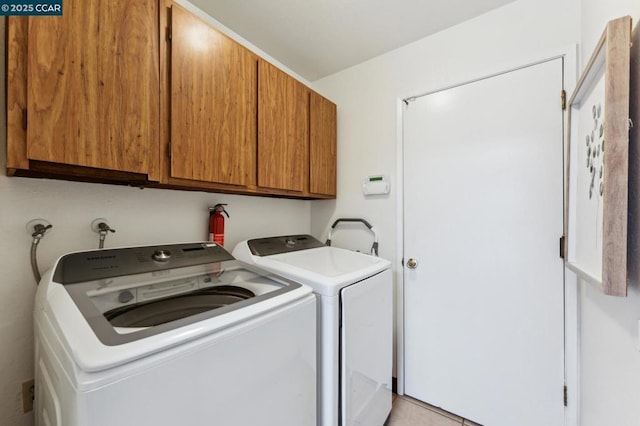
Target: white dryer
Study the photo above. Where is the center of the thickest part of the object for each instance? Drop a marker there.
(171, 335)
(355, 322)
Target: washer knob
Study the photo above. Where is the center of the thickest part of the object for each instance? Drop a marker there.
(161, 255)
(125, 296)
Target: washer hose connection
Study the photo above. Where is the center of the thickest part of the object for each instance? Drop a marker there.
(38, 233)
(103, 230)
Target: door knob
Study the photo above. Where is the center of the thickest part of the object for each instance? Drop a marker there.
(412, 263)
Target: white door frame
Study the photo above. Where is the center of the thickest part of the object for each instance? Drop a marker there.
(571, 322)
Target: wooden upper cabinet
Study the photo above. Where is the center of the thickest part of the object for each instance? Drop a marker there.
(213, 104)
(145, 92)
(322, 145)
(92, 77)
(283, 130)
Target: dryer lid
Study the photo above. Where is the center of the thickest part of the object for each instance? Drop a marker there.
(326, 269)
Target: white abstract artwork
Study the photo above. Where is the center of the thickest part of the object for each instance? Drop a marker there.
(597, 188)
(588, 126)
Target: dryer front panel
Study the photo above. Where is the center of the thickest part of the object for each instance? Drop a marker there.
(366, 345)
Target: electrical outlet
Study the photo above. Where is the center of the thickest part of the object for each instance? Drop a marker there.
(28, 395)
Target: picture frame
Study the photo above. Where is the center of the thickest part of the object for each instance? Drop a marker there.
(597, 164)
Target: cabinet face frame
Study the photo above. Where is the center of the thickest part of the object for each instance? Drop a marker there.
(16, 94)
(603, 263)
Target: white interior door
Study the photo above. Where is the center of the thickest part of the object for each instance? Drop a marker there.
(483, 179)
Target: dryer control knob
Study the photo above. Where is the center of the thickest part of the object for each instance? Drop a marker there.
(290, 242)
(161, 255)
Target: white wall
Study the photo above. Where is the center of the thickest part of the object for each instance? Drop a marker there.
(367, 97)
(140, 216)
(610, 359)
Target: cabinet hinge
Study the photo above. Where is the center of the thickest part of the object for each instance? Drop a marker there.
(168, 32)
(24, 119)
(169, 150)
(564, 99)
(565, 397)
(562, 242)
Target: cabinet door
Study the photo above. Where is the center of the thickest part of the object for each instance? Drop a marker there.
(93, 85)
(322, 145)
(213, 104)
(283, 130)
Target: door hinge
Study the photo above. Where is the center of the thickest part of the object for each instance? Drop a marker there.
(24, 119)
(564, 99)
(565, 397)
(562, 242)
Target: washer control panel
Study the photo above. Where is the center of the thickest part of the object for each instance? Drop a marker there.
(101, 264)
(161, 255)
(284, 244)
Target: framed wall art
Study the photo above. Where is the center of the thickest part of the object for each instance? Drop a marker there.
(597, 153)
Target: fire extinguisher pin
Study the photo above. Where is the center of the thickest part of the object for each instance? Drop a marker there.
(219, 208)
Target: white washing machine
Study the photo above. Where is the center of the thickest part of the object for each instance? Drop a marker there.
(172, 335)
(355, 322)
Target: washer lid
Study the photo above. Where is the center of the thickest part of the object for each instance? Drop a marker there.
(325, 269)
(132, 296)
(75, 312)
(164, 310)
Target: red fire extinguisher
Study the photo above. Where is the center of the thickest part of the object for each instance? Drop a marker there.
(216, 223)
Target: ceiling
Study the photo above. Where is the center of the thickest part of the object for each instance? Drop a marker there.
(316, 38)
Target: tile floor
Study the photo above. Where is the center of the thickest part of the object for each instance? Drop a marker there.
(410, 412)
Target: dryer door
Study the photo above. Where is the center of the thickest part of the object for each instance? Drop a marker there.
(366, 350)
